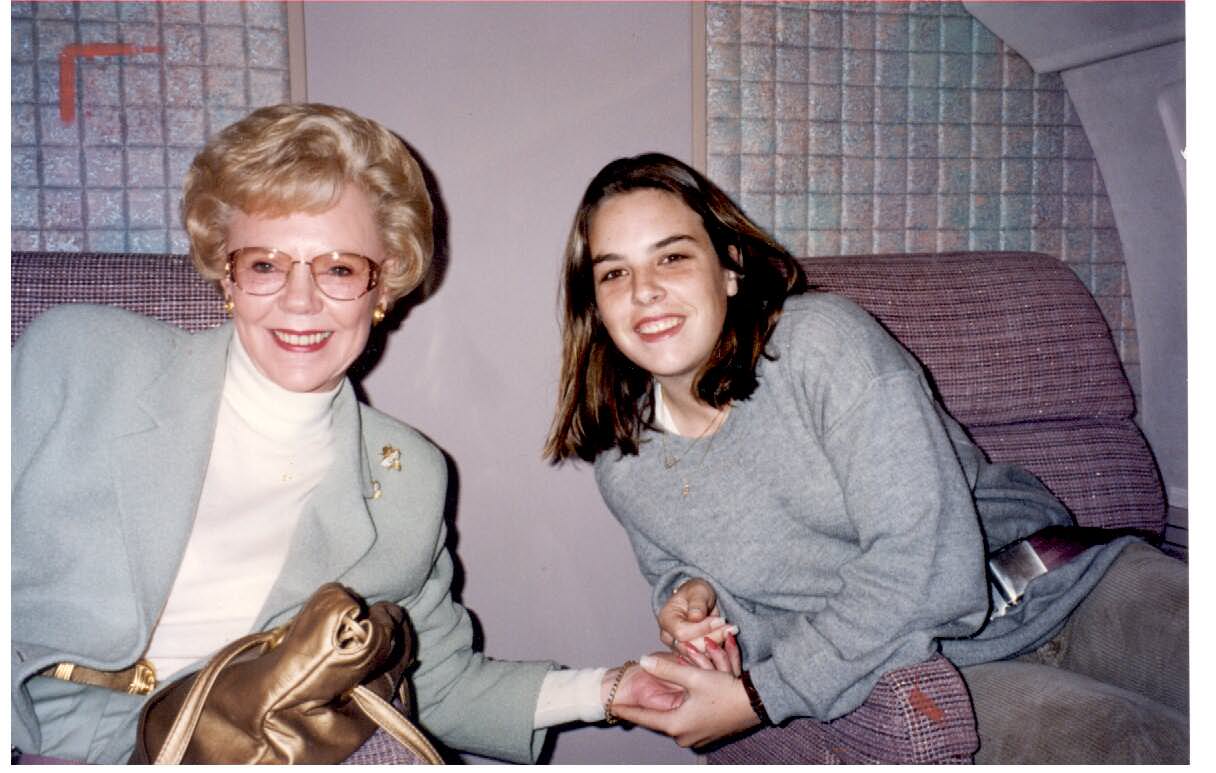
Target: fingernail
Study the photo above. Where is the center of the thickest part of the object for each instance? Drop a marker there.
(733, 630)
(697, 644)
(647, 662)
(717, 622)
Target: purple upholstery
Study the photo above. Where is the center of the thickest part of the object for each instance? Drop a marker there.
(1021, 355)
(915, 715)
(383, 749)
(162, 286)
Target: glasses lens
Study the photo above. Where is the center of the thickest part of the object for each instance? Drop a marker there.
(259, 271)
(342, 276)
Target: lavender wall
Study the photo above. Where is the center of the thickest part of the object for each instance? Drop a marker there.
(514, 108)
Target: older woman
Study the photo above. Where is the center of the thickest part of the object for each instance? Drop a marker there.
(171, 492)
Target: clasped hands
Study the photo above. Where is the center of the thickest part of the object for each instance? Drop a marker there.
(692, 693)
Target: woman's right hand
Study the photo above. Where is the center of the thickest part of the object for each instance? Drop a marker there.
(691, 614)
(716, 704)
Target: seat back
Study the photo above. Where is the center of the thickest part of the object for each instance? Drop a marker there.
(1021, 355)
(166, 287)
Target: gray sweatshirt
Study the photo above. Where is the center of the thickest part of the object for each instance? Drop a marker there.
(842, 517)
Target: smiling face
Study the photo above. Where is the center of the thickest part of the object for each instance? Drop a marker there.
(659, 287)
(299, 338)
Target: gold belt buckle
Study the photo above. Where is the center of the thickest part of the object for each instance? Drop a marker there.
(143, 678)
(64, 671)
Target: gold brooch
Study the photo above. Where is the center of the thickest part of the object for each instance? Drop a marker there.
(376, 489)
(392, 458)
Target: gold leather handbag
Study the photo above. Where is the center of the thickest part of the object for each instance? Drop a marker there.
(311, 691)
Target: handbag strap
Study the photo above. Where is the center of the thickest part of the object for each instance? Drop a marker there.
(395, 724)
(179, 735)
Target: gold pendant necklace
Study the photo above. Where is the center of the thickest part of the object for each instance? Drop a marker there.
(670, 460)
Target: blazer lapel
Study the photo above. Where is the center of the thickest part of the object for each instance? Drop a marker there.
(160, 458)
(336, 529)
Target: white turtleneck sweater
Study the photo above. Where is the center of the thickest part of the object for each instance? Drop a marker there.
(272, 447)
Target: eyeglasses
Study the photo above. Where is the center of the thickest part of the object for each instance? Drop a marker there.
(342, 276)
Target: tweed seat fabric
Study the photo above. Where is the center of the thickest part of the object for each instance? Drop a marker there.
(916, 715)
(1007, 337)
(1020, 354)
(165, 287)
(1101, 469)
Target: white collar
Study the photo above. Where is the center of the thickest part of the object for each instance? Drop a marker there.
(662, 415)
(269, 409)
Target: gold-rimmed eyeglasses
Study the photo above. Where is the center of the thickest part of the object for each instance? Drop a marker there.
(342, 276)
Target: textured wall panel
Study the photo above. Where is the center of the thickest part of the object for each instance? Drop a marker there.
(849, 127)
(109, 178)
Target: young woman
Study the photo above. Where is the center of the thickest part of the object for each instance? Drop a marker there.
(779, 461)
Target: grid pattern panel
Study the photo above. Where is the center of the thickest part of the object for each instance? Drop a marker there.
(109, 179)
(849, 128)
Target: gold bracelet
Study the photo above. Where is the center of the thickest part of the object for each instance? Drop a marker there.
(616, 683)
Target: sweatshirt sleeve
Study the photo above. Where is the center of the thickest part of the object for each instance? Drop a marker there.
(918, 570)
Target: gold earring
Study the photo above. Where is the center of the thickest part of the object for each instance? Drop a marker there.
(377, 315)
(229, 305)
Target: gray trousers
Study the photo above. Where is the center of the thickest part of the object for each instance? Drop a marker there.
(1111, 687)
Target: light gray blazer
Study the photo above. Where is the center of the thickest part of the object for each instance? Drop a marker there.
(112, 426)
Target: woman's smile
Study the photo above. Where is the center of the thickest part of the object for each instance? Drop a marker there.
(301, 341)
(653, 329)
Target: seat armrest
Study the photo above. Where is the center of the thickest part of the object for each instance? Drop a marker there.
(918, 714)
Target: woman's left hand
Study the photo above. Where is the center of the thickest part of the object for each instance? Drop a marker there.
(639, 688)
(716, 705)
(691, 614)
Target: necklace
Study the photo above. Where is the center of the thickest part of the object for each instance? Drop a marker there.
(670, 460)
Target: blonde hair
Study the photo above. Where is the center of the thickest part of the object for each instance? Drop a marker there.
(298, 158)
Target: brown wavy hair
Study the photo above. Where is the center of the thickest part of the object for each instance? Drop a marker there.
(604, 400)
(298, 158)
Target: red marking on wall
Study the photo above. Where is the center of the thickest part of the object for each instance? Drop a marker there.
(67, 68)
(925, 705)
